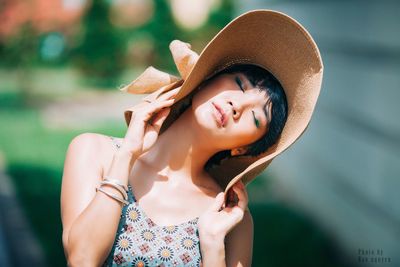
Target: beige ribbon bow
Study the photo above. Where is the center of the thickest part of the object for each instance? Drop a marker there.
(154, 80)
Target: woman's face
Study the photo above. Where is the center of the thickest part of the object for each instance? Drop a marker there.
(230, 111)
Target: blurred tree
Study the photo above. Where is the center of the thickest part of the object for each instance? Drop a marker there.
(100, 55)
(19, 51)
(163, 29)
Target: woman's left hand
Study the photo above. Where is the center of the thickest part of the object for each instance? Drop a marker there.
(216, 222)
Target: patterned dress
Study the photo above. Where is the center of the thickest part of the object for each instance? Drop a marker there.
(140, 242)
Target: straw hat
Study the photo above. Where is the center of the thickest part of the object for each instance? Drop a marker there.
(267, 38)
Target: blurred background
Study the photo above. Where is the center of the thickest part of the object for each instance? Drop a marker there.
(330, 200)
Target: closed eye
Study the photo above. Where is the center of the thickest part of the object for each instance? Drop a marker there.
(239, 83)
(256, 121)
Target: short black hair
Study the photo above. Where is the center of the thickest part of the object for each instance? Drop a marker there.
(264, 80)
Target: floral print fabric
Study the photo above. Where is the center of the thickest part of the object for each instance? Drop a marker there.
(140, 242)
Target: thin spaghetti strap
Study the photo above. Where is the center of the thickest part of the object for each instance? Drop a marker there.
(116, 143)
(131, 197)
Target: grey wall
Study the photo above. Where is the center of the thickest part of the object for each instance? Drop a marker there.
(344, 171)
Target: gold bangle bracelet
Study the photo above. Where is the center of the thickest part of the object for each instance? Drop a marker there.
(112, 196)
(116, 186)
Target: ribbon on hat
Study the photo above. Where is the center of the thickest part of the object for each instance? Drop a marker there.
(155, 81)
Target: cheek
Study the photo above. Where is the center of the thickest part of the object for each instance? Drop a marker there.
(246, 136)
(246, 131)
(237, 138)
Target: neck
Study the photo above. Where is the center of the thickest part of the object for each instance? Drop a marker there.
(179, 152)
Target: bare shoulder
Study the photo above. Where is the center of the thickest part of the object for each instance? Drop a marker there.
(96, 142)
(86, 140)
(93, 139)
(95, 148)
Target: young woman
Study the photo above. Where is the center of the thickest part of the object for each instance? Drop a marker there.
(156, 197)
(241, 110)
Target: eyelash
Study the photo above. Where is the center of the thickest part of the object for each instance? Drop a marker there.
(255, 120)
(239, 82)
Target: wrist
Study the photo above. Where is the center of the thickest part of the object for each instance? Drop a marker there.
(124, 157)
(120, 167)
(212, 241)
(124, 154)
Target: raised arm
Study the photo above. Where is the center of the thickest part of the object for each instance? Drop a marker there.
(90, 219)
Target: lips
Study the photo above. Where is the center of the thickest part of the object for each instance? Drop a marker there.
(221, 116)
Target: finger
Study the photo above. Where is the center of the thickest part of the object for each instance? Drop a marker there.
(219, 199)
(231, 198)
(169, 94)
(159, 104)
(143, 116)
(242, 196)
(160, 118)
(158, 107)
(155, 107)
(164, 103)
(243, 186)
(237, 214)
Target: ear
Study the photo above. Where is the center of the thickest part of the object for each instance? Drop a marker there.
(238, 151)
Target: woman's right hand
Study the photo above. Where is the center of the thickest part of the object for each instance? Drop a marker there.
(146, 122)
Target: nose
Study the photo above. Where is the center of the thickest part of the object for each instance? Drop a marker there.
(239, 105)
(235, 110)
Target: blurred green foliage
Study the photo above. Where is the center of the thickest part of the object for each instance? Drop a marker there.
(99, 49)
(100, 55)
(20, 49)
(164, 30)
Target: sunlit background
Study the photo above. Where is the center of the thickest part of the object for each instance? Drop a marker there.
(330, 200)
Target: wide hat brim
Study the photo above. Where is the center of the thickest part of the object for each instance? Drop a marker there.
(278, 43)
